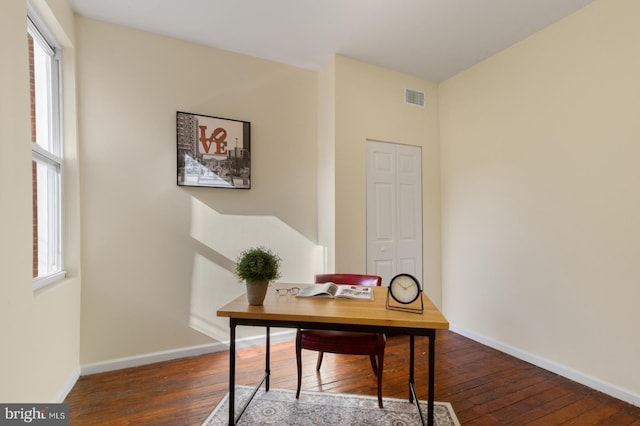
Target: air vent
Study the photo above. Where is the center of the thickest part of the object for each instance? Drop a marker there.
(414, 97)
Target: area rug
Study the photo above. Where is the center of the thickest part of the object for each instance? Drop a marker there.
(280, 407)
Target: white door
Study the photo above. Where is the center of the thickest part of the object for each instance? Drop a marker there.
(394, 210)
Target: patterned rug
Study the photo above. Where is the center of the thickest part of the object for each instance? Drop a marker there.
(280, 407)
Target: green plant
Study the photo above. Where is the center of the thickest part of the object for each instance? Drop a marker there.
(258, 264)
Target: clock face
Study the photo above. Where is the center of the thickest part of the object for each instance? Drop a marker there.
(404, 288)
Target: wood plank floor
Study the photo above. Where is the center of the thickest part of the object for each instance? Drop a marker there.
(485, 387)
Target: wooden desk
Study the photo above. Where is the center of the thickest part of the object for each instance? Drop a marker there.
(333, 314)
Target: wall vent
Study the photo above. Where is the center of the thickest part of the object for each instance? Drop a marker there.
(414, 97)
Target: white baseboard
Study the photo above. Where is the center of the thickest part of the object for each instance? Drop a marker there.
(562, 370)
(150, 358)
(66, 388)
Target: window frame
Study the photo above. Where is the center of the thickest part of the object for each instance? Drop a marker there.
(52, 157)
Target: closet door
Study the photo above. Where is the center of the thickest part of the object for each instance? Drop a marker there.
(394, 210)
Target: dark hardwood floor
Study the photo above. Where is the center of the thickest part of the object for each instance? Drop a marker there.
(485, 386)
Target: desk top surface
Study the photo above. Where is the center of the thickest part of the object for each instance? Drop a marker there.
(337, 311)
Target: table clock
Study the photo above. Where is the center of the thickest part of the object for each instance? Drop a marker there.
(403, 292)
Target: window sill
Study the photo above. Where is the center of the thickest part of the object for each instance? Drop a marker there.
(41, 282)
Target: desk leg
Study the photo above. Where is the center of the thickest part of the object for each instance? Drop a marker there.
(413, 397)
(411, 364)
(431, 379)
(232, 374)
(267, 370)
(432, 376)
(232, 371)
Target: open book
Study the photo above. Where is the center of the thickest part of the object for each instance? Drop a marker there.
(332, 290)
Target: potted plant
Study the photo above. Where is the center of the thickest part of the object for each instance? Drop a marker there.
(257, 266)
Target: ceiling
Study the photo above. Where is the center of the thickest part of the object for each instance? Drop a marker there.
(431, 39)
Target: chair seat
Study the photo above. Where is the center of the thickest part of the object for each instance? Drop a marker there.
(339, 342)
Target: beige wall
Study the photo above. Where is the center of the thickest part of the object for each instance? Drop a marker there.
(541, 212)
(158, 257)
(40, 330)
(327, 162)
(369, 104)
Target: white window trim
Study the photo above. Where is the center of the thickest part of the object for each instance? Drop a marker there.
(41, 31)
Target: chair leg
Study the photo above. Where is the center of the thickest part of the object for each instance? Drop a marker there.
(374, 364)
(298, 362)
(319, 362)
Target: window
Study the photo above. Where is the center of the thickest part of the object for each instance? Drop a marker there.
(46, 149)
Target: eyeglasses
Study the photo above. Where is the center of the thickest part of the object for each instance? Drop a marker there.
(285, 291)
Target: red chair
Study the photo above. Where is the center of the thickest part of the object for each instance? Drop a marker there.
(343, 342)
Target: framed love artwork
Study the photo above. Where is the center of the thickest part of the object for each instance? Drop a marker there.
(213, 151)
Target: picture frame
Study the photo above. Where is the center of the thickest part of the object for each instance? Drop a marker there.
(213, 151)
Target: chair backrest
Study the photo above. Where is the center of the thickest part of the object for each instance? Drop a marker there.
(352, 279)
